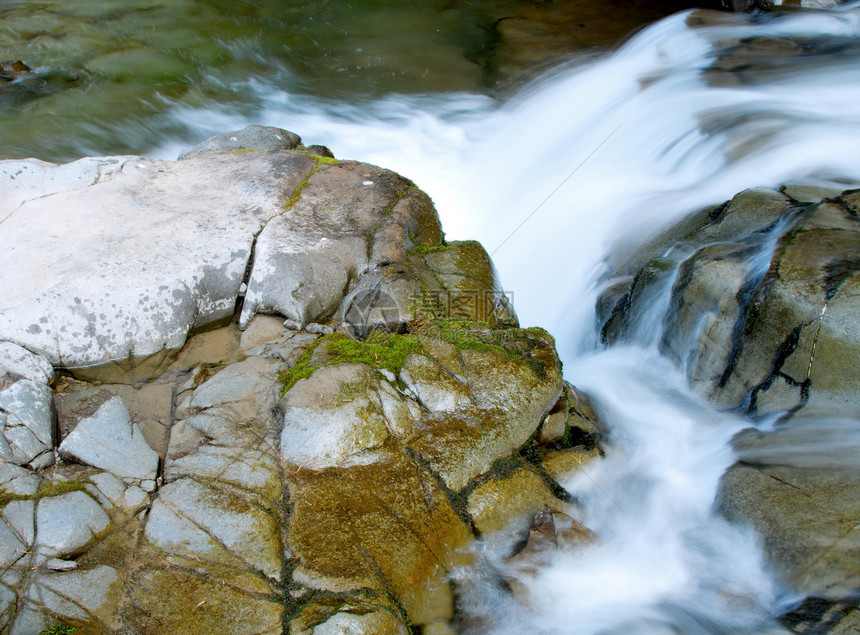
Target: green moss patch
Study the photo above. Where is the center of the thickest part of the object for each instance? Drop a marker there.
(323, 160)
(46, 490)
(430, 320)
(60, 629)
(379, 350)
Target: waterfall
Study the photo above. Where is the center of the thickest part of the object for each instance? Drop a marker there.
(559, 178)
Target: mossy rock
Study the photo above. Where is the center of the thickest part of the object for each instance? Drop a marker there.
(385, 526)
(461, 279)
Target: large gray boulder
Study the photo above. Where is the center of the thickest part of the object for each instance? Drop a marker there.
(66, 524)
(127, 265)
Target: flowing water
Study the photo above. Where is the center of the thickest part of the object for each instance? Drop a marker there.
(556, 179)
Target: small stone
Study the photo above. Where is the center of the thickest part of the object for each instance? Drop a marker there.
(247, 381)
(109, 486)
(564, 464)
(44, 460)
(435, 388)
(320, 151)
(387, 374)
(67, 523)
(135, 496)
(110, 441)
(555, 424)
(148, 485)
(29, 419)
(57, 564)
(103, 500)
(18, 480)
(184, 409)
(320, 329)
(263, 328)
(496, 503)
(377, 623)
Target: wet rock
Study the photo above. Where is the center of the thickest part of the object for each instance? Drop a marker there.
(564, 464)
(111, 442)
(800, 487)
(412, 222)
(321, 151)
(551, 530)
(499, 502)
(762, 303)
(349, 533)
(327, 469)
(248, 139)
(434, 386)
(839, 617)
(813, 191)
(760, 307)
(382, 300)
(464, 281)
(510, 399)
(527, 35)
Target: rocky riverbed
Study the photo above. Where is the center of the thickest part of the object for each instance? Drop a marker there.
(255, 390)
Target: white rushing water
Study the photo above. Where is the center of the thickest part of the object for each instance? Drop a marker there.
(595, 155)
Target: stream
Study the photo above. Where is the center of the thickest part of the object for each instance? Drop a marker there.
(555, 178)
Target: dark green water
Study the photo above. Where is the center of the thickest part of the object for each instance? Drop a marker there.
(108, 74)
